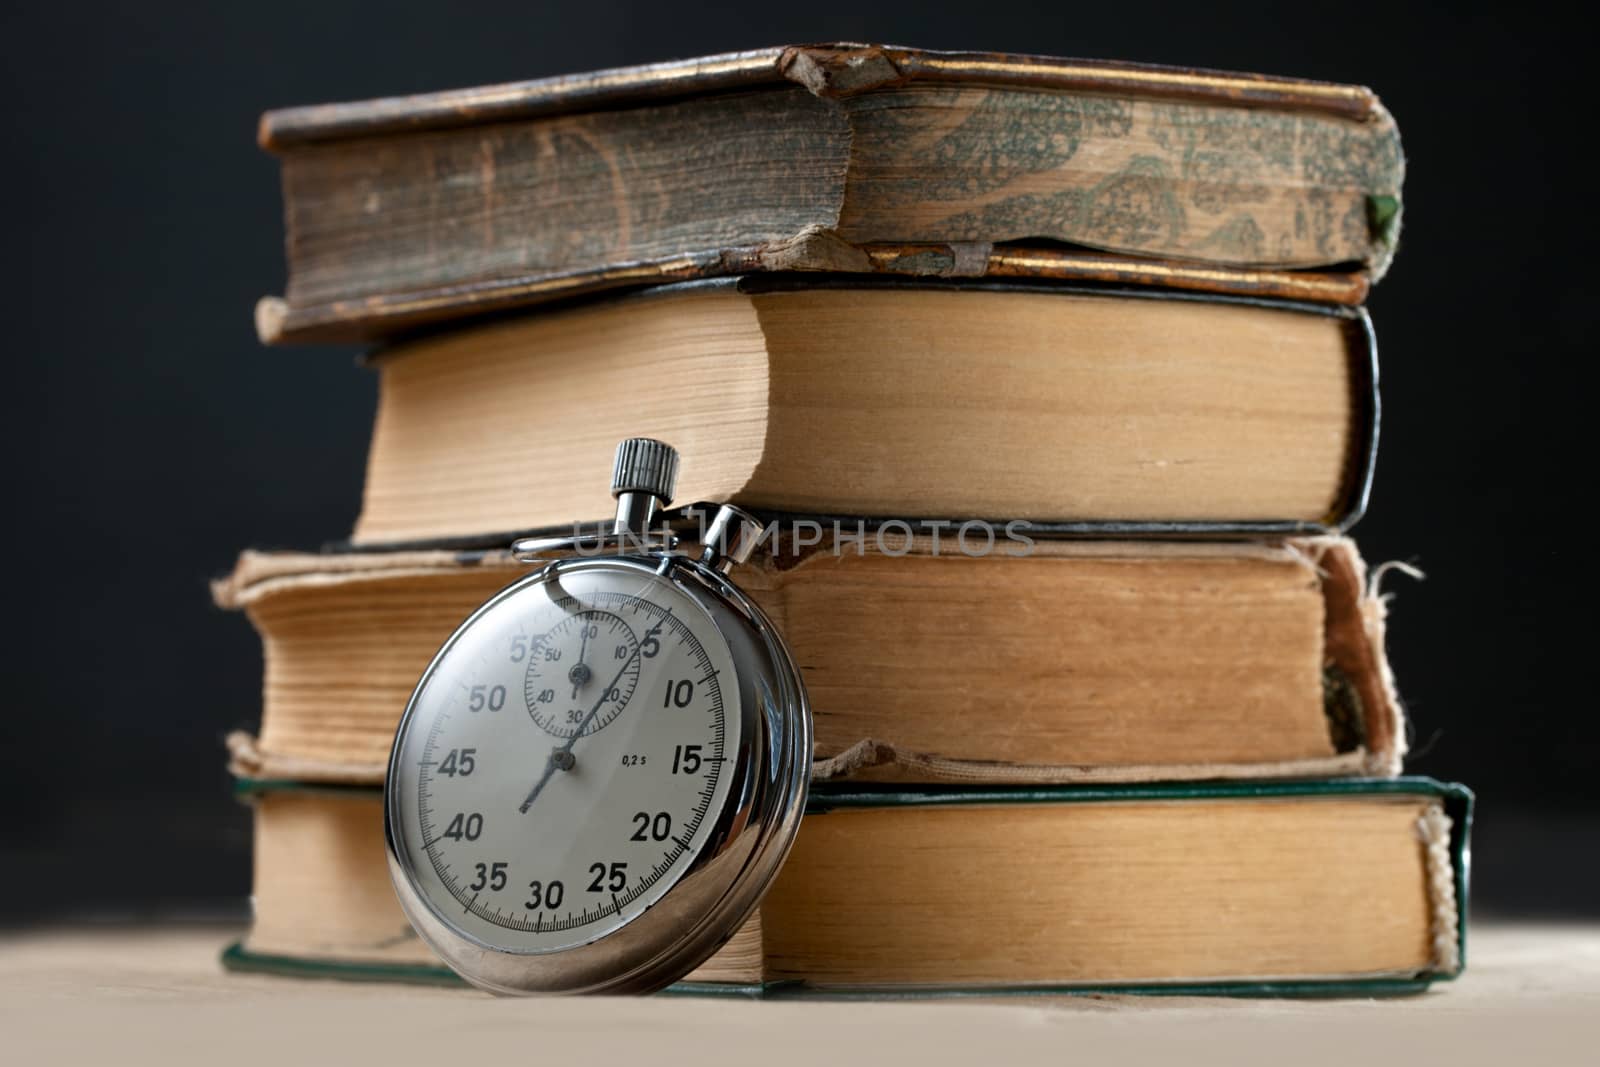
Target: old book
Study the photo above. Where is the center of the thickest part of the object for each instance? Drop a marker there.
(846, 157)
(1098, 410)
(1309, 887)
(1114, 661)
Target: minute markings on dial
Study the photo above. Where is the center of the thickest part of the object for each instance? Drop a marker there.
(685, 653)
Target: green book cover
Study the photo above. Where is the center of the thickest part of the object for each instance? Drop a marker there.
(1456, 801)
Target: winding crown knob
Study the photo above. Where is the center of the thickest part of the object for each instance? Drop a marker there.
(645, 465)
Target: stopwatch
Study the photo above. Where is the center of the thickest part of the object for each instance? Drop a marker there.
(603, 768)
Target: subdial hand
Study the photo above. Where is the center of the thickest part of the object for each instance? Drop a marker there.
(562, 758)
(580, 673)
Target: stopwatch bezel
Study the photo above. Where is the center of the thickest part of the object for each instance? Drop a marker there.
(747, 841)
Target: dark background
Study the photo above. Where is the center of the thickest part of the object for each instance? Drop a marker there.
(152, 437)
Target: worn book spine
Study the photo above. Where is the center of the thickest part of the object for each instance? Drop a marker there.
(1189, 179)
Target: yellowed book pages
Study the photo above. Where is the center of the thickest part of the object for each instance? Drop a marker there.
(1049, 893)
(1026, 403)
(1088, 662)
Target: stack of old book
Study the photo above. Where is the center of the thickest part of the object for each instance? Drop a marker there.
(1058, 373)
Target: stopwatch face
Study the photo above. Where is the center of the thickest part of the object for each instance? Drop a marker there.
(562, 764)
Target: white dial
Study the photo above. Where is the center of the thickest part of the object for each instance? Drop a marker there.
(563, 760)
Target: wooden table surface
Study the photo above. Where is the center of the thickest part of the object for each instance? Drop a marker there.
(1531, 995)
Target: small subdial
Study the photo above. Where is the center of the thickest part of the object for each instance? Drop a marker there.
(581, 673)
